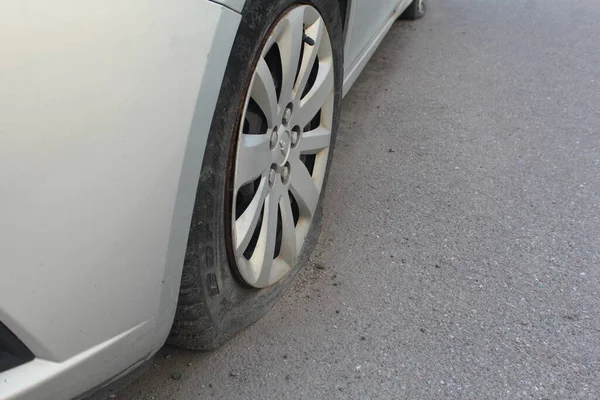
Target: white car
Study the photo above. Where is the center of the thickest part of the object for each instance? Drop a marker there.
(161, 165)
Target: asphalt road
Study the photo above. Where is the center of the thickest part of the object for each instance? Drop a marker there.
(460, 256)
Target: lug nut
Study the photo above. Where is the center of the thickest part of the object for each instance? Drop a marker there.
(287, 115)
(295, 137)
(272, 177)
(274, 138)
(285, 173)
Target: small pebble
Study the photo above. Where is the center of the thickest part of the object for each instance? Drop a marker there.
(167, 356)
(234, 373)
(288, 377)
(176, 376)
(189, 364)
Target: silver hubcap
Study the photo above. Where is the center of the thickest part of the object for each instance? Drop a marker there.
(282, 148)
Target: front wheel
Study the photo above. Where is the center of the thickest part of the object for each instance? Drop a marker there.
(257, 212)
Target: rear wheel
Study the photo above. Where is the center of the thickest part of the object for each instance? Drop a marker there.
(415, 10)
(257, 212)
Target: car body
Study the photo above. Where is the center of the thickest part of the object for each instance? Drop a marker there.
(105, 110)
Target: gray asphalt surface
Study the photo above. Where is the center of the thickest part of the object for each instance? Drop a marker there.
(460, 255)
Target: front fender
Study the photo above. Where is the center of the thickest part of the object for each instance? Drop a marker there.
(105, 109)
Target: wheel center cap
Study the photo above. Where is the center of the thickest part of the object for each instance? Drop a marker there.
(284, 145)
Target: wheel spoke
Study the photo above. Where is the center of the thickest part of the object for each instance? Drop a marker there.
(303, 188)
(263, 92)
(290, 46)
(314, 141)
(316, 97)
(245, 225)
(253, 158)
(288, 235)
(265, 246)
(315, 32)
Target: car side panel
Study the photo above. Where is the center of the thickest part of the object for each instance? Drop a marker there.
(366, 19)
(354, 67)
(105, 109)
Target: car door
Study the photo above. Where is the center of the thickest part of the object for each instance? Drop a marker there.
(366, 19)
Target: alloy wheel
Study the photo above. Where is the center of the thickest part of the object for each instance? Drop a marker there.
(282, 147)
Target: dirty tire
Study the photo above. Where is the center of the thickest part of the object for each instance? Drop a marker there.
(214, 304)
(414, 11)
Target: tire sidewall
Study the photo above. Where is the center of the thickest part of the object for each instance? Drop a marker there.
(229, 304)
